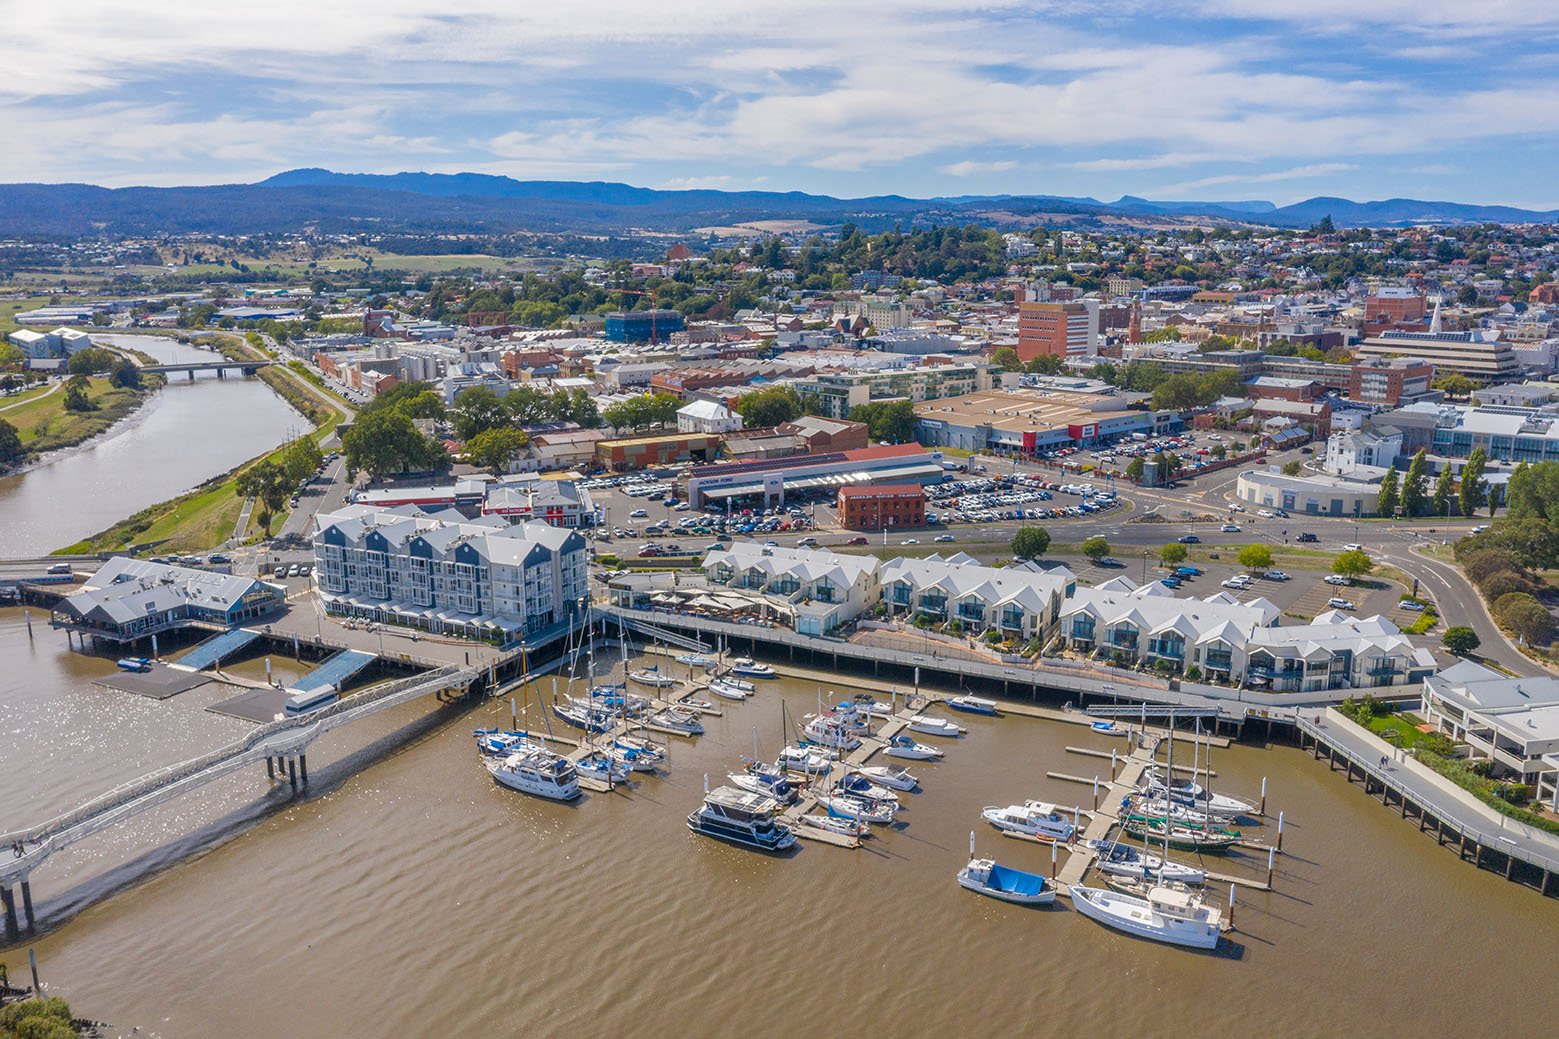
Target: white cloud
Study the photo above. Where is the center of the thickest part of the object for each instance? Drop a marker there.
(1320, 169)
(969, 168)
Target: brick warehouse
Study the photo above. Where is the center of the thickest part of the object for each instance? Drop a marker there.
(889, 505)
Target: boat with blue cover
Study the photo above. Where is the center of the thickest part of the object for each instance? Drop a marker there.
(987, 877)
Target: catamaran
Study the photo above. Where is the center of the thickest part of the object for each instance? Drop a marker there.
(538, 772)
(741, 817)
(1036, 819)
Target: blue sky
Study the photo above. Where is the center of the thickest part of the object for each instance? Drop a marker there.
(1220, 99)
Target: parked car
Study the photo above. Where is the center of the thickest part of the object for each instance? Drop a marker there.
(1340, 604)
(1110, 561)
(1336, 579)
(1353, 548)
(1188, 571)
(1171, 581)
(1412, 604)
(1275, 575)
(638, 514)
(280, 571)
(1238, 581)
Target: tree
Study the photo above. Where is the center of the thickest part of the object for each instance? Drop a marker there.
(1443, 489)
(477, 410)
(11, 449)
(1390, 494)
(1173, 554)
(301, 458)
(494, 449)
(1460, 640)
(768, 407)
(1219, 452)
(1096, 548)
(1006, 358)
(1030, 542)
(1524, 616)
(1256, 557)
(426, 404)
(1474, 492)
(1134, 469)
(1415, 488)
(125, 375)
(1353, 563)
(91, 360)
(890, 422)
(1291, 468)
(383, 442)
(1455, 384)
(266, 482)
(76, 398)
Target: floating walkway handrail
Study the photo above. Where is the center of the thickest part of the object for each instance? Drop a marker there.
(1500, 842)
(654, 632)
(302, 729)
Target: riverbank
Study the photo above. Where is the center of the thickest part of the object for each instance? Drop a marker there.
(205, 516)
(43, 424)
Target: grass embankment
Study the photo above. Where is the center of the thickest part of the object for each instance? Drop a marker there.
(43, 424)
(204, 517)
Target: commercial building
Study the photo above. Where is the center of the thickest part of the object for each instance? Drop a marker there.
(1068, 329)
(1311, 495)
(447, 574)
(1480, 355)
(836, 393)
(561, 503)
(567, 449)
(1392, 381)
(707, 416)
(132, 598)
(1020, 602)
(1511, 722)
(1393, 307)
(768, 481)
(62, 342)
(668, 449)
(813, 590)
(1376, 448)
(1314, 415)
(642, 326)
(821, 435)
(1028, 421)
(879, 507)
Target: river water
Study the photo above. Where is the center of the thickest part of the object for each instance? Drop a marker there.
(413, 896)
(186, 433)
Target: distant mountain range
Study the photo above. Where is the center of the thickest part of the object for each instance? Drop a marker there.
(466, 203)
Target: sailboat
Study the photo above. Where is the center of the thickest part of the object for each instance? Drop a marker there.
(1171, 915)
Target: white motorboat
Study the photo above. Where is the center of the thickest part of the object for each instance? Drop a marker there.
(1035, 819)
(652, 676)
(929, 726)
(738, 683)
(1170, 915)
(538, 772)
(1010, 885)
(1123, 860)
(741, 817)
(695, 660)
(875, 708)
(828, 731)
(768, 781)
(727, 691)
(836, 824)
(894, 777)
(851, 807)
(903, 746)
(805, 759)
(973, 705)
(858, 785)
(677, 720)
(751, 668)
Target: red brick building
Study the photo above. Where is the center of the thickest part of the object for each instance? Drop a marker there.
(1056, 330)
(822, 435)
(1388, 380)
(892, 505)
(1393, 308)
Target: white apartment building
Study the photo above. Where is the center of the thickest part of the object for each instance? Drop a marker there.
(707, 416)
(817, 590)
(1377, 448)
(448, 574)
(1019, 601)
(1513, 722)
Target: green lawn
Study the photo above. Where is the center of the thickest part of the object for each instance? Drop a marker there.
(1405, 725)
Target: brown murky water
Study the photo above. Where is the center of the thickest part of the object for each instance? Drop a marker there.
(416, 897)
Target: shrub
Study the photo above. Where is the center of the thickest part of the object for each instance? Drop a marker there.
(955, 627)
(1524, 616)
(1504, 582)
(1460, 640)
(1193, 672)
